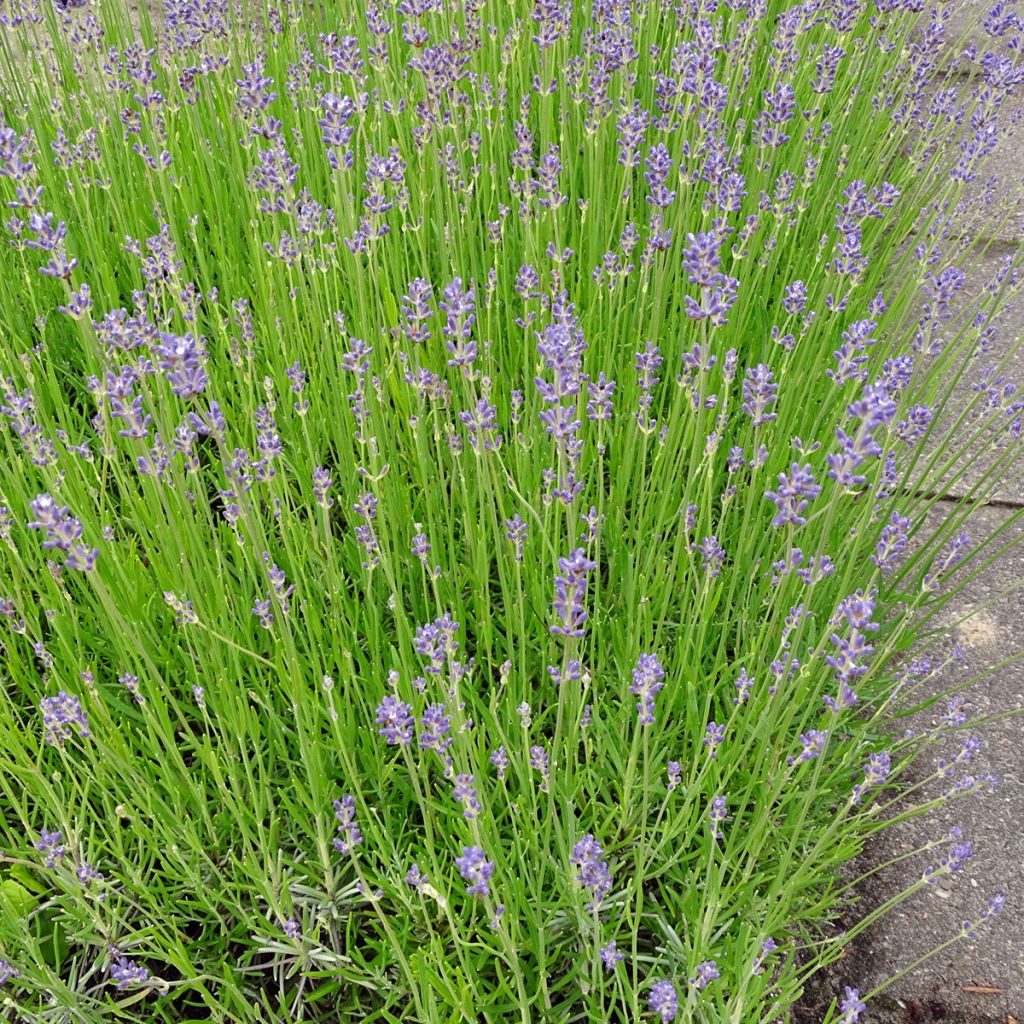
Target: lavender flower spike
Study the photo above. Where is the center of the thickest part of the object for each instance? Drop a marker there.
(349, 836)
(852, 1006)
(592, 870)
(647, 682)
(476, 869)
(62, 717)
(395, 720)
(664, 1001)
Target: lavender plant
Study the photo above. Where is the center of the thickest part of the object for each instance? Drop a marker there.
(468, 492)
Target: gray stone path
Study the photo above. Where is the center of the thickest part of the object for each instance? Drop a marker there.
(978, 980)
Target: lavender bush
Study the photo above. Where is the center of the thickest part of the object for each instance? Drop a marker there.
(467, 496)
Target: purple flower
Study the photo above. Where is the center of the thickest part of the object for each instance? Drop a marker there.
(591, 868)
(539, 763)
(395, 719)
(852, 1006)
(62, 531)
(759, 394)
(321, 485)
(659, 167)
(743, 686)
(701, 259)
(436, 642)
(706, 973)
(500, 761)
(476, 869)
(793, 495)
(647, 682)
(415, 878)
(610, 956)
(876, 771)
(516, 530)
(349, 836)
(713, 736)
(465, 793)
(675, 770)
(51, 844)
(9, 971)
(663, 1000)
(813, 742)
(712, 555)
(62, 717)
(768, 945)
(891, 543)
(717, 815)
(994, 906)
(125, 972)
(570, 592)
(459, 307)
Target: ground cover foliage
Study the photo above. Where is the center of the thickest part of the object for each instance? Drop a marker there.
(465, 480)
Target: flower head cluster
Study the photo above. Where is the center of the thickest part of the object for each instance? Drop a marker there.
(476, 870)
(62, 531)
(51, 845)
(349, 836)
(664, 1001)
(125, 972)
(570, 593)
(63, 716)
(591, 868)
(395, 721)
(647, 682)
(706, 973)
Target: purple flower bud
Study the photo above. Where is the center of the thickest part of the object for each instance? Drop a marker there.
(876, 771)
(717, 814)
(793, 495)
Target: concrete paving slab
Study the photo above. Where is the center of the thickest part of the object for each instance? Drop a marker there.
(965, 25)
(977, 980)
(999, 366)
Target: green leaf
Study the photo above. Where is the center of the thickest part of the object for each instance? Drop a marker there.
(16, 898)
